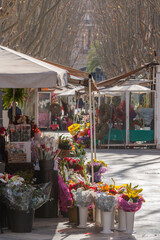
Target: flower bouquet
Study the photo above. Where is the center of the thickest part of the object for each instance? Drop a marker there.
(82, 198)
(3, 132)
(106, 204)
(99, 167)
(46, 147)
(135, 123)
(78, 150)
(66, 146)
(129, 203)
(19, 195)
(64, 195)
(131, 200)
(21, 200)
(74, 129)
(73, 164)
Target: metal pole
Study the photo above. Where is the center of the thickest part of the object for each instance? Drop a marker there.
(14, 106)
(99, 103)
(91, 134)
(36, 107)
(127, 117)
(94, 126)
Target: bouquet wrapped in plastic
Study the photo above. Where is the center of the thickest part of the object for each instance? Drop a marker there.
(64, 195)
(129, 206)
(40, 195)
(82, 198)
(131, 200)
(104, 201)
(17, 194)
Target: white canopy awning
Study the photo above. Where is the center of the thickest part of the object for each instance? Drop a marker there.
(125, 88)
(18, 70)
(71, 92)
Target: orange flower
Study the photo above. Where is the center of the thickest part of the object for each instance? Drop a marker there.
(104, 188)
(73, 148)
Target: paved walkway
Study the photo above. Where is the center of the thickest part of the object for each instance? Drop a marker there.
(140, 167)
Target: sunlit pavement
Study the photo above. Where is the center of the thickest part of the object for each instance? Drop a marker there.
(140, 167)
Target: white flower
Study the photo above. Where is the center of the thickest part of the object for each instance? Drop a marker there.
(105, 202)
(82, 198)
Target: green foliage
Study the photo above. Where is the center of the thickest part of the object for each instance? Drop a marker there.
(8, 96)
(93, 61)
(78, 151)
(65, 143)
(26, 174)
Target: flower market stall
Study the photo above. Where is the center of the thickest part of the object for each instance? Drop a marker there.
(129, 117)
(28, 72)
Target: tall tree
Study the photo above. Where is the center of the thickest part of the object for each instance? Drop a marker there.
(128, 32)
(41, 28)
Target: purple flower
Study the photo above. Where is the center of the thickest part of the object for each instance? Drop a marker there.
(103, 170)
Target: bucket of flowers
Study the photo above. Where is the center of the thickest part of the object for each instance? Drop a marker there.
(21, 200)
(130, 202)
(83, 197)
(44, 149)
(105, 202)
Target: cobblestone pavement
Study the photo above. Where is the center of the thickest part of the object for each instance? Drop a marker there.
(140, 167)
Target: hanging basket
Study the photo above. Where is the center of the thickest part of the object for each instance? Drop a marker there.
(64, 153)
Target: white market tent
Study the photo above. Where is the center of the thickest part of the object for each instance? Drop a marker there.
(18, 70)
(125, 88)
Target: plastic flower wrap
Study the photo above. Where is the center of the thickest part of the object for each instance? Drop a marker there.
(131, 200)
(64, 194)
(40, 195)
(16, 194)
(75, 177)
(105, 202)
(82, 198)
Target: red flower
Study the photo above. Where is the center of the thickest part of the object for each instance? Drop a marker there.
(3, 132)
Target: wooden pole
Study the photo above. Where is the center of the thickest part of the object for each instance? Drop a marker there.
(94, 126)
(91, 134)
